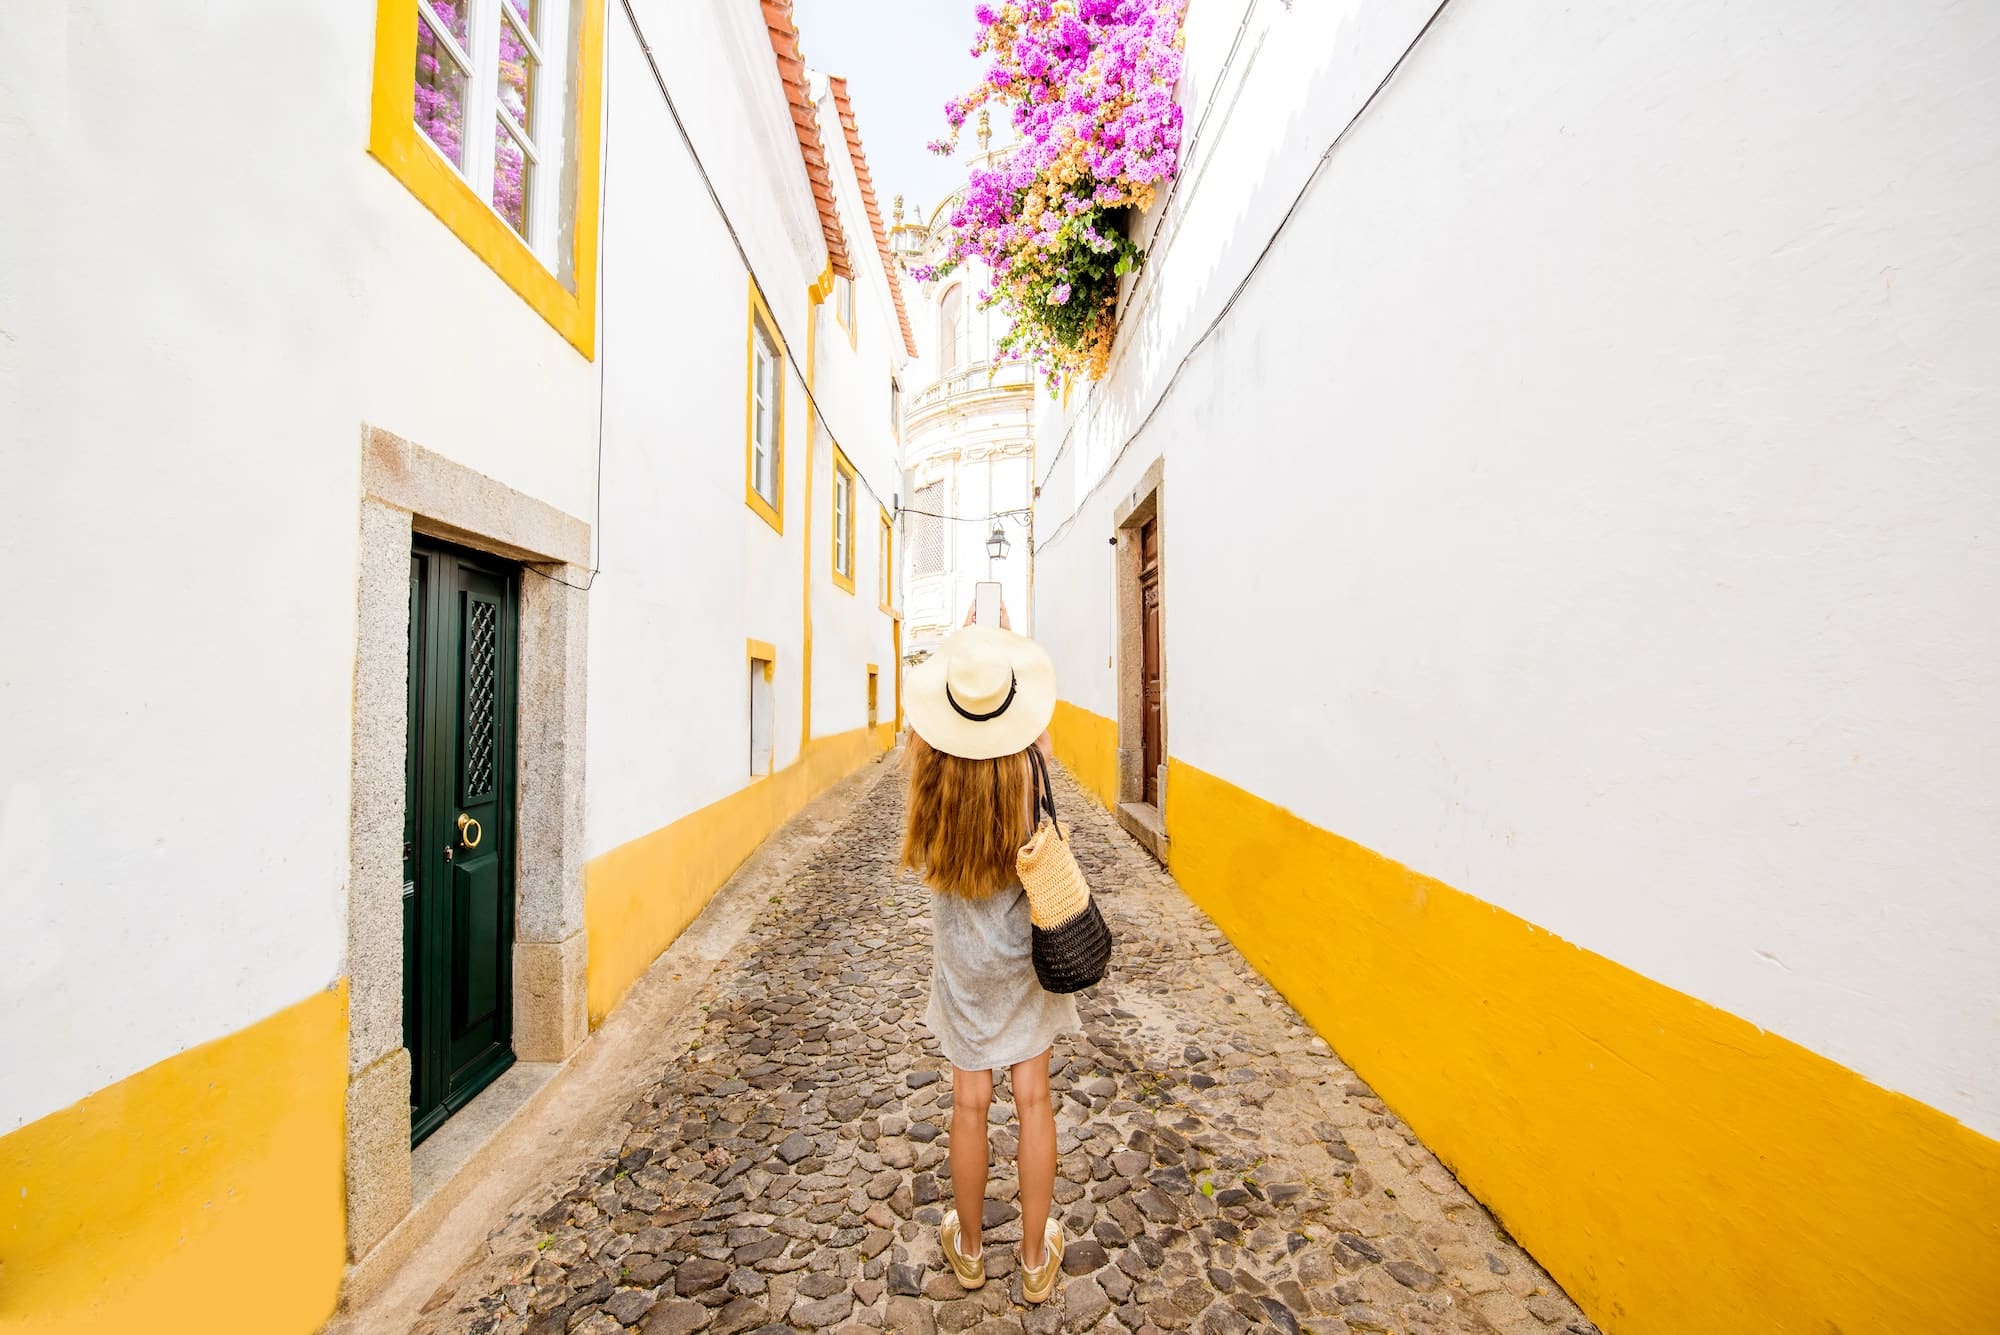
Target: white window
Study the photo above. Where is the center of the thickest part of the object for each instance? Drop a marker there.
(951, 320)
(490, 99)
(760, 717)
(843, 291)
(764, 416)
(927, 531)
(843, 521)
(885, 574)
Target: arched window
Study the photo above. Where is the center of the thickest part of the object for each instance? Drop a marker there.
(927, 531)
(951, 321)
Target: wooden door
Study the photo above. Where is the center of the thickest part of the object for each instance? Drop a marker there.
(1152, 732)
(458, 821)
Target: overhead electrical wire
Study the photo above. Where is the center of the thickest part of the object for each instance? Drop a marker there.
(742, 253)
(1149, 263)
(1166, 204)
(812, 400)
(1146, 271)
(989, 516)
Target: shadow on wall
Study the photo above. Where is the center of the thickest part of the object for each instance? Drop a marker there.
(1087, 746)
(1228, 200)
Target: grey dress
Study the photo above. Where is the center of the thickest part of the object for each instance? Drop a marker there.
(987, 1008)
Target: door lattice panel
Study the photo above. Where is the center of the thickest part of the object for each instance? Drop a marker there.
(482, 657)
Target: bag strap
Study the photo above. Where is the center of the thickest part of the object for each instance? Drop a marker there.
(1045, 792)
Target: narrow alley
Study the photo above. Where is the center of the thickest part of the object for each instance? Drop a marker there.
(781, 1163)
(1491, 507)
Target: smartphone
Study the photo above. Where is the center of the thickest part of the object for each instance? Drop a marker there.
(986, 603)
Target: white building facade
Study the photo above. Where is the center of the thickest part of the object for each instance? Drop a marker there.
(1530, 566)
(459, 540)
(968, 447)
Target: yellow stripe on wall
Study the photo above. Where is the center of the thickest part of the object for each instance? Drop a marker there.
(203, 1194)
(1679, 1170)
(1087, 746)
(641, 895)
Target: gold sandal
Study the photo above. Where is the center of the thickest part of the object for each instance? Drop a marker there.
(1038, 1282)
(971, 1273)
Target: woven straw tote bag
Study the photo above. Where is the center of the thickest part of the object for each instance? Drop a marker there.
(1072, 944)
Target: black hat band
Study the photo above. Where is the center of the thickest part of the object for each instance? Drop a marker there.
(1013, 683)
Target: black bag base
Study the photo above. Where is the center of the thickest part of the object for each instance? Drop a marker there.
(1075, 955)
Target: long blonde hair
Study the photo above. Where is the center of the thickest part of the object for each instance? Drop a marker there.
(966, 819)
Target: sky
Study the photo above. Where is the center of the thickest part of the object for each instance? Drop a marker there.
(902, 62)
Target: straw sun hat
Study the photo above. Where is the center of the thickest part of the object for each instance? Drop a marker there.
(985, 693)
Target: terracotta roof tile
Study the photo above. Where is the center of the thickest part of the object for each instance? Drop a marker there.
(847, 123)
(792, 69)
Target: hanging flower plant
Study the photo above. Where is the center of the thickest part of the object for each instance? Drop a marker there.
(1091, 87)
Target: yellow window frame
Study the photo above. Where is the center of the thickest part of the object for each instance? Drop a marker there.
(850, 322)
(885, 564)
(765, 653)
(772, 514)
(845, 470)
(395, 142)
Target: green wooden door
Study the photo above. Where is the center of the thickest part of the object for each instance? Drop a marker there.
(458, 829)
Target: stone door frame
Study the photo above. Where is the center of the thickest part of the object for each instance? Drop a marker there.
(406, 490)
(1146, 501)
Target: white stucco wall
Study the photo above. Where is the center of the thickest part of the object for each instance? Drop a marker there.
(690, 572)
(1590, 502)
(850, 631)
(208, 288)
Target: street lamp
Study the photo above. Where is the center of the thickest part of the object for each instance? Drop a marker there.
(997, 544)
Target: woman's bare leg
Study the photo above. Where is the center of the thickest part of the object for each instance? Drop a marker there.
(1036, 1162)
(971, 1096)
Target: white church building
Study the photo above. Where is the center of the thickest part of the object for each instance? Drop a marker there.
(968, 443)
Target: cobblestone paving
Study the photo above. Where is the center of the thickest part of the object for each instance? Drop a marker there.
(1220, 1170)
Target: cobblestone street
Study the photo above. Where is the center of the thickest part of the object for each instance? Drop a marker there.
(784, 1164)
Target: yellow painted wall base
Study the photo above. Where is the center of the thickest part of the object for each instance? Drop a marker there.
(639, 896)
(202, 1194)
(1678, 1169)
(1087, 746)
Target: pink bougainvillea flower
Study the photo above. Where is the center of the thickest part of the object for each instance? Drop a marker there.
(1090, 87)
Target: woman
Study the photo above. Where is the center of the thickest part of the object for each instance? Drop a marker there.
(976, 707)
